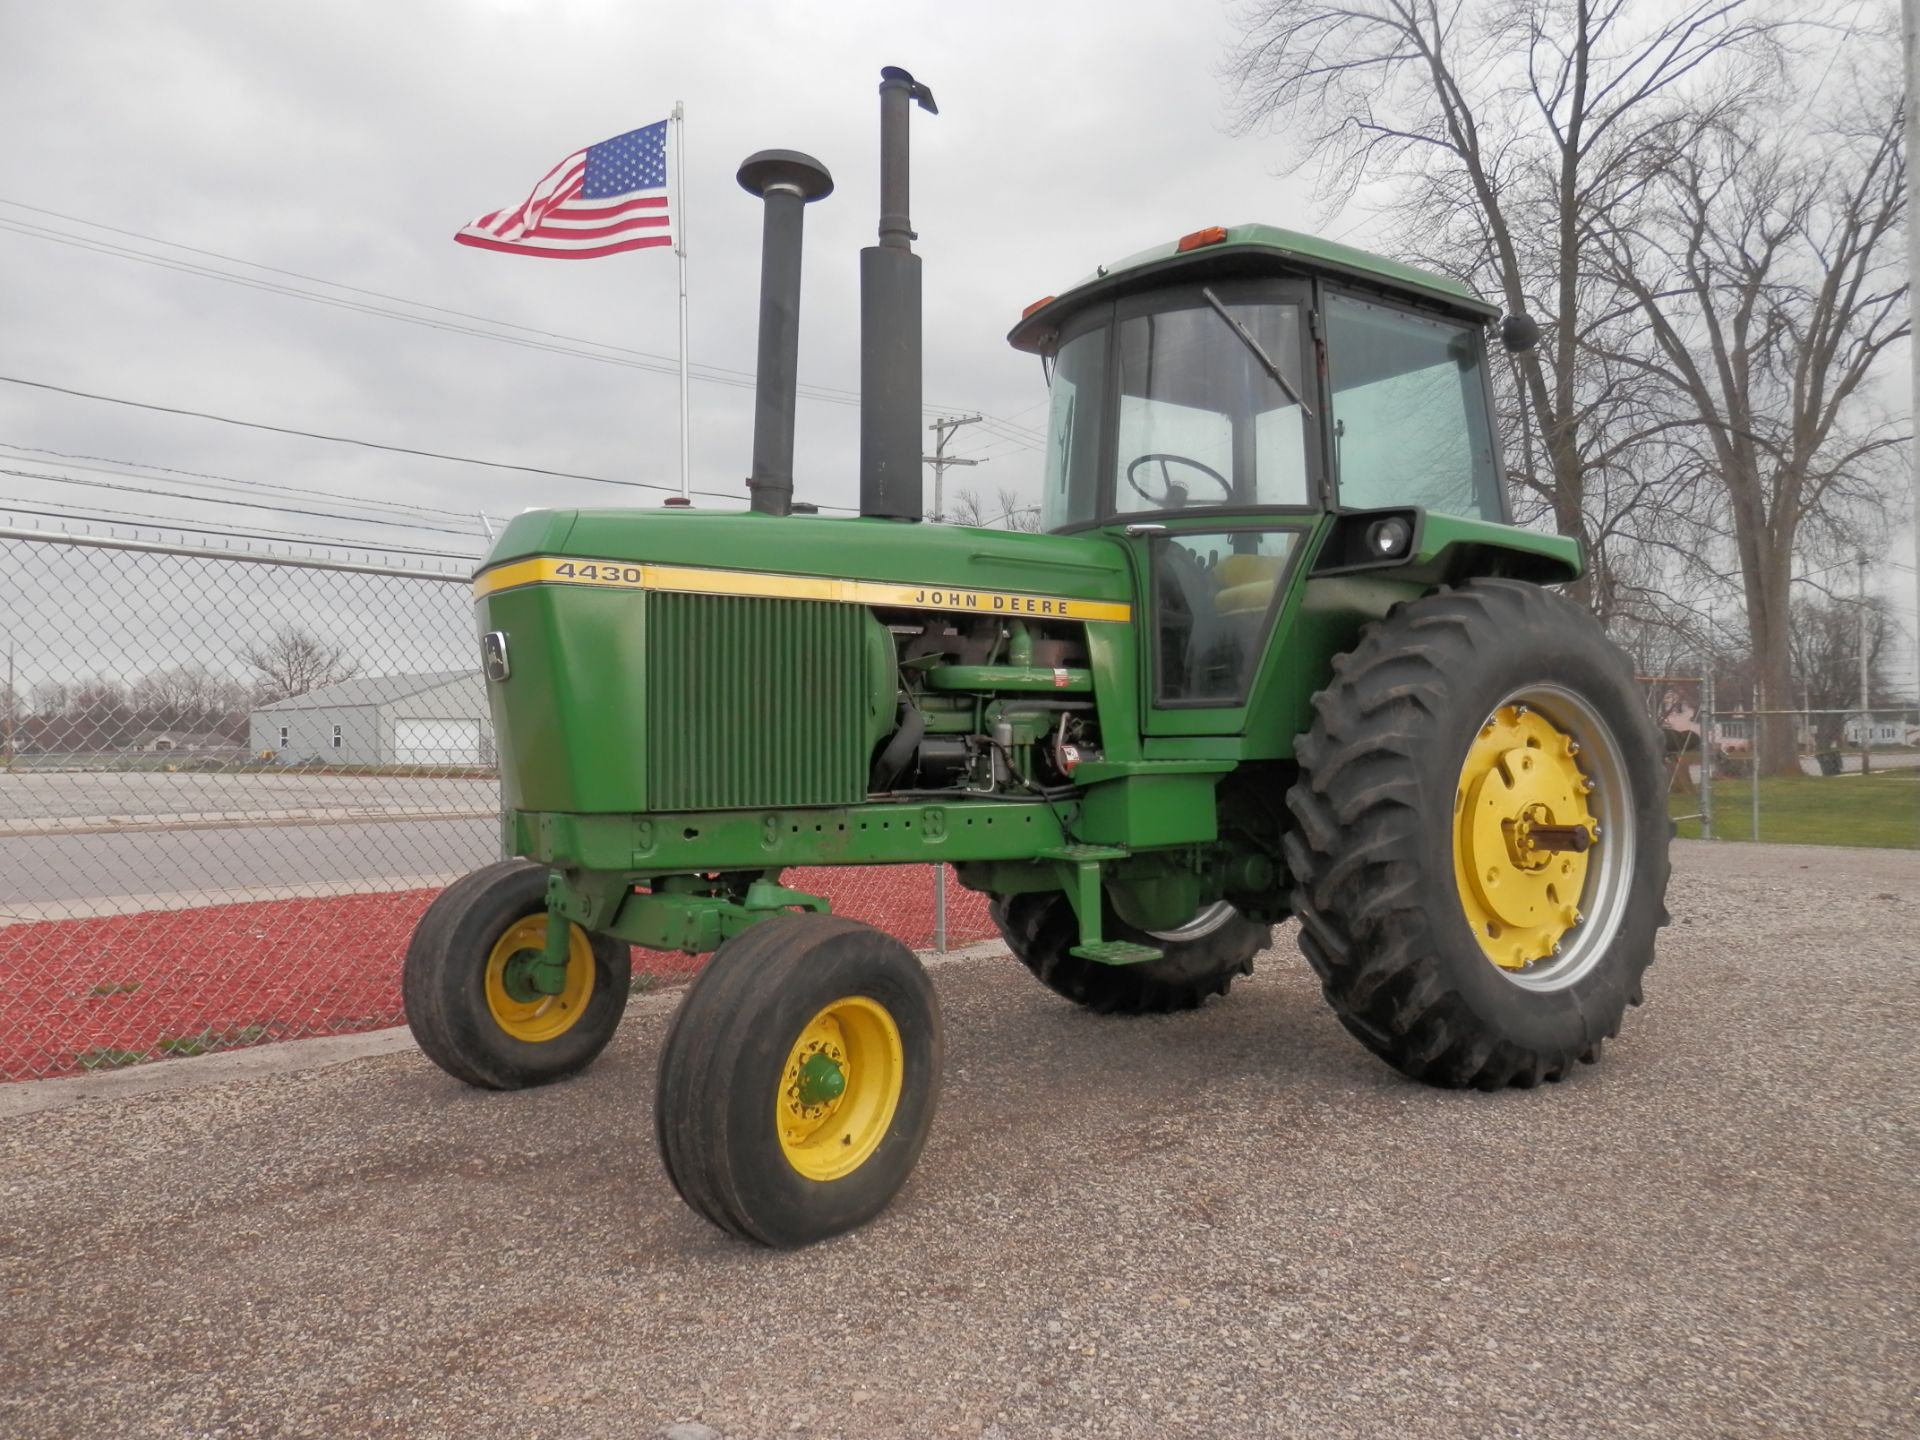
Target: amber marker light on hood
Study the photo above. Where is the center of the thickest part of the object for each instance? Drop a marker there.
(1044, 300)
(1212, 235)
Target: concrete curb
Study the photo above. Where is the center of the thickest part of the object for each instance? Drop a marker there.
(289, 1057)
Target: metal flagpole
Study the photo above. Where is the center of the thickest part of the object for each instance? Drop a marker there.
(680, 250)
(1910, 37)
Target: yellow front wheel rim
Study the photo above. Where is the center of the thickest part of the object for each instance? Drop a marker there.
(1520, 899)
(839, 1088)
(531, 1017)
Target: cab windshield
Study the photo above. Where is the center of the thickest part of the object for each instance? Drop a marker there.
(1200, 419)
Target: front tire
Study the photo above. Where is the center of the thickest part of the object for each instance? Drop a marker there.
(1449, 942)
(1200, 960)
(799, 1078)
(469, 1010)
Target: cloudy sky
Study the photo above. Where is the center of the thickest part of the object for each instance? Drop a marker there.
(347, 142)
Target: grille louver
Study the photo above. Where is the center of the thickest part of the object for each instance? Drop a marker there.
(754, 703)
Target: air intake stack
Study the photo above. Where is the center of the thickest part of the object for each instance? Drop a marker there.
(890, 442)
(787, 181)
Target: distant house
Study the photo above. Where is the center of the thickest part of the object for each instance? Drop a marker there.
(1884, 731)
(435, 719)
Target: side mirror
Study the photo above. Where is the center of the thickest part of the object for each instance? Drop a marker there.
(1519, 332)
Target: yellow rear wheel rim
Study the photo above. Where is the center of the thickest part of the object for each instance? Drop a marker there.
(541, 1017)
(839, 1088)
(1519, 899)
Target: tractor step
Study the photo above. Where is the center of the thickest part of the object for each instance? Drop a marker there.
(1083, 854)
(1116, 952)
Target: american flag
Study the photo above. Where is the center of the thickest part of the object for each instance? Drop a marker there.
(598, 201)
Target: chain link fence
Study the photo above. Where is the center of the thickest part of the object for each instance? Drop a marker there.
(231, 782)
(1811, 776)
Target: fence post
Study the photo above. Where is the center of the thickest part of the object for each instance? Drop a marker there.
(1753, 778)
(1706, 752)
(940, 906)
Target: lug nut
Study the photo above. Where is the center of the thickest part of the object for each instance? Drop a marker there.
(1573, 747)
(1556, 947)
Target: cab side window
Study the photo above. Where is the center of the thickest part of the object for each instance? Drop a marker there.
(1409, 402)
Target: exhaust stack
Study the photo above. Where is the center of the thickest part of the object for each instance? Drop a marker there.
(788, 182)
(890, 444)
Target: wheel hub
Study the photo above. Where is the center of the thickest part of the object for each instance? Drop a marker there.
(515, 997)
(839, 1088)
(1522, 836)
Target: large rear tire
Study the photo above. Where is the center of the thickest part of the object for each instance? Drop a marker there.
(1201, 960)
(466, 998)
(799, 1078)
(1460, 927)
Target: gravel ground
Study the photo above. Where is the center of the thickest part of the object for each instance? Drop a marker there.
(1229, 1223)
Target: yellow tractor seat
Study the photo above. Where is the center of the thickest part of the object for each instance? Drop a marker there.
(1247, 583)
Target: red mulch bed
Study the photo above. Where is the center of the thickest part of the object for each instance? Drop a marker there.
(78, 995)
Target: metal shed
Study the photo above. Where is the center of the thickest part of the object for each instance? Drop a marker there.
(432, 720)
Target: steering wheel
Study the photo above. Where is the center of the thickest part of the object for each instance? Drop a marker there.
(1175, 494)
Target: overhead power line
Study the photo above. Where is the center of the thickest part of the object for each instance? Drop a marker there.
(551, 341)
(370, 444)
(76, 461)
(234, 500)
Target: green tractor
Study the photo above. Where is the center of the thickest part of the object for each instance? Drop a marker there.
(1279, 652)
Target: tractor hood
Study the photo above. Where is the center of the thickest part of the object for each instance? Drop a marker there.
(856, 561)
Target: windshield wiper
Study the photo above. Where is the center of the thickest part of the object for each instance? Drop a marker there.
(1259, 351)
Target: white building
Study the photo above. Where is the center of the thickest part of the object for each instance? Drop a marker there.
(434, 720)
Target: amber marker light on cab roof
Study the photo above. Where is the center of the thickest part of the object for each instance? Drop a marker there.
(1043, 300)
(1212, 235)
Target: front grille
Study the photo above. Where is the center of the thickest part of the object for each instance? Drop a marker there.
(754, 703)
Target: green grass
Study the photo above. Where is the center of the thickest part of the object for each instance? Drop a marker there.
(105, 1057)
(1879, 809)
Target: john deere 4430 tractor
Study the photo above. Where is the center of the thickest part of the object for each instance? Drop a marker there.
(1279, 652)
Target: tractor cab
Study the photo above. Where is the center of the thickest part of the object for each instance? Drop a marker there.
(1214, 401)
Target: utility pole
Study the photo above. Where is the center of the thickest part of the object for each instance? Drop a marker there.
(11, 702)
(940, 460)
(1866, 699)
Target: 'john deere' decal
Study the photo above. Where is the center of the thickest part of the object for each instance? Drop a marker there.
(612, 574)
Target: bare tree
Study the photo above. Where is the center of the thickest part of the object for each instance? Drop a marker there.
(1008, 511)
(188, 697)
(1826, 659)
(1765, 263)
(967, 509)
(1017, 512)
(1502, 124)
(293, 662)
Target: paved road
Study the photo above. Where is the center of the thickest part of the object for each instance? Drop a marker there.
(1222, 1224)
(69, 876)
(36, 801)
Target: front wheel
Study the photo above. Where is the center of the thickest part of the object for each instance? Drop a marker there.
(1480, 855)
(467, 983)
(798, 1079)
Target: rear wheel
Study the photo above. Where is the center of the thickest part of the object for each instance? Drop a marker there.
(1201, 958)
(798, 1079)
(468, 983)
(1480, 860)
